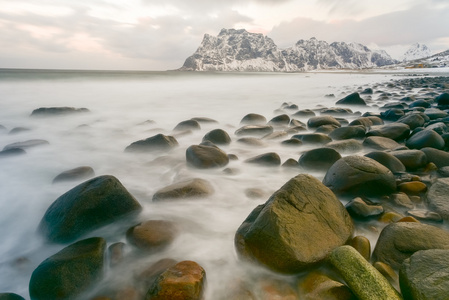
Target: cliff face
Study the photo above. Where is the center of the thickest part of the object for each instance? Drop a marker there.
(239, 50)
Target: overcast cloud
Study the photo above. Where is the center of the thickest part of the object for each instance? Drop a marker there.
(155, 35)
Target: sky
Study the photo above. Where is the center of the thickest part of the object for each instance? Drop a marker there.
(160, 35)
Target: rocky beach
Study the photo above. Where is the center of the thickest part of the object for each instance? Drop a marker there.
(341, 201)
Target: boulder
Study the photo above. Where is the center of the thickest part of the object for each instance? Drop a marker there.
(205, 157)
(388, 160)
(12, 152)
(398, 241)
(68, 273)
(318, 121)
(79, 173)
(346, 146)
(187, 125)
(88, 206)
(442, 99)
(26, 144)
(152, 235)
(437, 197)
(352, 99)
(192, 188)
(218, 137)
(419, 103)
(413, 120)
(57, 111)
(366, 122)
(362, 278)
(254, 130)
(411, 159)
(185, 280)
(10, 296)
(425, 138)
(394, 131)
(348, 132)
(438, 157)
(253, 119)
(380, 143)
(367, 91)
(320, 159)
(424, 275)
(297, 227)
(435, 113)
(313, 138)
(281, 120)
(158, 142)
(271, 159)
(392, 114)
(359, 176)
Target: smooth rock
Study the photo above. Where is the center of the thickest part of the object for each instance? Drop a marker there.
(348, 132)
(253, 119)
(54, 111)
(271, 159)
(79, 173)
(152, 235)
(362, 278)
(442, 99)
(425, 138)
(304, 113)
(380, 143)
(157, 142)
(185, 280)
(88, 206)
(412, 187)
(187, 125)
(352, 99)
(254, 130)
(218, 137)
(394, 131)
(346, 146)
(313, 138)
(297, 227)
(438, 157)
(251, 141)
(425, 215)
(281, 120)
(398, 241)
(362, 245)
(411, 159)
(317, 285)
(320, 159)
(191, 188)
(359, 209)
(366, 122)
(402, 200)
(437, 197)
(424, 276)
(10, 296)
(292, 142)
(12, 152)
(206, 157)
(318, 121)
(358, 176)
(68, 273)
(388, 160)
(26, 144)
(413, 120)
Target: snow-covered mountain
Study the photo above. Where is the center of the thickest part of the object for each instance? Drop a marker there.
(239, 50)
(416, 51)
(439, 60)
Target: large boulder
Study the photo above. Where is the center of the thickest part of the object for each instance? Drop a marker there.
(68, 273)
(88, 206)
(205, 157)
(191, 188)
(358, 176)
(185, 280)
(352, 99)
(424, 276)
(297, 227)
(398, 241)
(425, 138)
(362, 278)
(437, 197)
(158, 142)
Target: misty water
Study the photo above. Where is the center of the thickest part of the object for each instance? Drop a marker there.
(129, 106)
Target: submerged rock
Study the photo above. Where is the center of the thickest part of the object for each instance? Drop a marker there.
(55, 111)
(253, 119)
(320, 159)
(75, 174)
(270, 159)
(68, 273)
(205, 157)
(26, 144)
(88, 206)
(297, 227)
(218, 137)
(158, 142)
(152, 235)
(10, 296)
(254, 130)
(192, 188)
(352, 99)
(187, 125)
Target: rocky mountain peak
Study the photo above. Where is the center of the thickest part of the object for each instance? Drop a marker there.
(416, 51)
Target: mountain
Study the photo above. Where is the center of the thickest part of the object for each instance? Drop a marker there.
(240, 50)
(439, 60)
(416, 51)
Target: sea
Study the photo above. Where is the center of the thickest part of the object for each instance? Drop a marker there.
(126, 106)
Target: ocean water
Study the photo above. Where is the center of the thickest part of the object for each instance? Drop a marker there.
(120, 105)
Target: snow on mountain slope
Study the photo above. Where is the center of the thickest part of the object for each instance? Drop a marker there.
(416, 51)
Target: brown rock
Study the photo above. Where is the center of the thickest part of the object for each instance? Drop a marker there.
(192, 188)
(153, 235)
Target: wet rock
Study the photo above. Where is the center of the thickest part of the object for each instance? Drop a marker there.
(359, 209)
(411, 159)
(336, 111)
(424, 275)
(442, 99)
(204, 120)
(413, 120)
(300, 220)
(304, 113)
(254, 130)
(394, 131)
(12, 152)
(320, 159)
(362, 245)
(185, 280)
(367, 91)
(253, 119)
(57, 111)
(419, 103)
(359, 175)
(26, 144)
(192, 188)
(398, 241)
(152, 235)
(402, 200)
(388, 160)
(425, 138)
(10, 296)
(318, 121)
(281, 120)
(387, 271)
(187, 125)
(89, 205)
(292, 142)
(290, 163)
(275, 135)
(439, 127)
(250, 141)
(348, 132)
(346, 146)
(437, 197)
(362, 278)
(116, 253)
(205, 157)
(17, 130)
(270, 159)
(149, 274)
(68, 273)
(366, 122)
(352, 99)
(319, 286)
(79, 173)
(326, 129)
(435, 113)
(425, 215)
(392, 114)
(158, 142)
(412, 187)
(270, 288)
(313, 138)
(380, 143)
(218, 137)
(438, 157)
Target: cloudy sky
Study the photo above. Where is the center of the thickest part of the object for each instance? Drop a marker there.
(159, 35)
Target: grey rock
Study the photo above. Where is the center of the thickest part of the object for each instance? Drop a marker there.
(254, 130)
(411, 159)
(26, 144)
(437, 197)
(352, 99)
(439, 157)
(157, 142)
(79, 173)
(253, 119)
(187, 125)
(380, 143)
(55, 111)
(425, 138)
(218, 137)
(388, 160)
(270, 159)
(320, 159)
(346, 146)
(318, 121)
(394, 131)
(313, 138)
(205, 157)
(348, 132)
